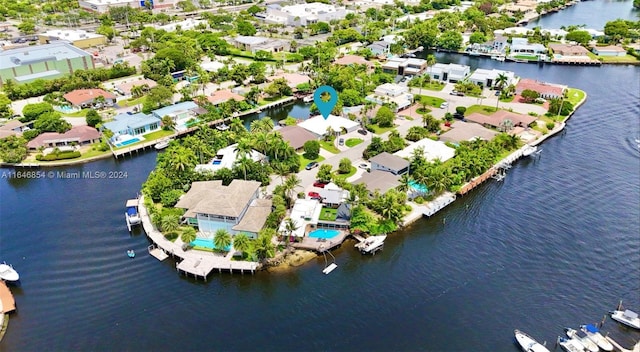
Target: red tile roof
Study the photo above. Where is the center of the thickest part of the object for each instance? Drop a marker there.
(126, 87)
(81, 96)
(79, 134)
(293, 79)
(498, 117)
(352, 59)
(540, 87)
(220, 96)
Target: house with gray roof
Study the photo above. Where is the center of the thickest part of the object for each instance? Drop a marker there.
(377, 180)
(390, 163)
(131, 125)
(236, 208)
(296, 136)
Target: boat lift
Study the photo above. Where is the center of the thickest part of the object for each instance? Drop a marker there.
(328, 268)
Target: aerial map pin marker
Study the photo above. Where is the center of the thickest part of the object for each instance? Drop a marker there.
(325, 107)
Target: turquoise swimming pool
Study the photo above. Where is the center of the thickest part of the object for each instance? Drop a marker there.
(418, 187)
(65, 109)
(127, 142)
(324, 233)
(201, 242)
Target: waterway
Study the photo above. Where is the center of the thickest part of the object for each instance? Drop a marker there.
(556, 244)
(593, 14)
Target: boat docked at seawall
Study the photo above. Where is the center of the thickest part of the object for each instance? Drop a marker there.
(8, 273)
(529, 150)
(587, 344)
(570, 345)
(131, 215)
(626, 317)
(528, 343)
(593, 333)
(371, 244)
(162, 144)
(308, 99)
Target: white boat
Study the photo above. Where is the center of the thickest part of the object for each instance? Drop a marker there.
(527, 342)
(308, 99)
(570, 345)
(593, 333)
(222, 127)
(8, 273)
(587, 344)
(626, 317)
(529, 150)
(162, 144)
(371, 244)
(131, 215)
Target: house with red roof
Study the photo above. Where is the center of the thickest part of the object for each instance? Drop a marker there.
(349, 60)
(223, 95)
(546, 90)
(293, 79)
(79, 135)
(83, 98)
(498, 118)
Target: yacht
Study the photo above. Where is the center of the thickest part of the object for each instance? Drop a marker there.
(8, 273)
(587, 344)
(371, 244)
(570, 345)
(626, 317)
(308, 99)
(593, 333)
(527, 343)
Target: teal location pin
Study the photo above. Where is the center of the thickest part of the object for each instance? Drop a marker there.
(325, 107)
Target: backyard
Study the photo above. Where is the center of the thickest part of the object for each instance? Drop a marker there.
(481, 109)
(328, 214)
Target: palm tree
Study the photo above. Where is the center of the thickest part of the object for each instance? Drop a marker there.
(431, 60)
(243, 147)
(291, 183)
(290, 228)
(188, 235)
(501, 80)
(263, 247)
(244, 163)
(241, 242)
(221, 239)
(405, 183)
(167, 122)
(169, 223)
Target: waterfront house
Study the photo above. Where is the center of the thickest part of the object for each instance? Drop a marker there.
(125, 88)
(391, 93)
(389, 163)
(546, 90)
(293, 79)
(253, 44)
(12, 128)
(432, 150)
(568, 49)
(349, 60)
(236, 208)
(79, 135)
(222, 96)
(84, 98)
(304, 215)
(499, 119)
(487, 78)
(404, 66)
(610, 50)
(226, 158)
(126, 127)
(304, 14)
(449, 72)
(466, 131)
(333, 124)
(521, 46)
(103, 6)
(333, 195)
(296, 136)
(377, 180)
(380, 47)
(183, 114)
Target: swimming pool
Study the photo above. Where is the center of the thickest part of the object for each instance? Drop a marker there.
(418, 187)
(206, 243)
(65, 109)
(324, 233)
(127, 142)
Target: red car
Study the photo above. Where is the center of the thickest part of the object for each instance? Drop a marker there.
(319, 184)
(314, 194)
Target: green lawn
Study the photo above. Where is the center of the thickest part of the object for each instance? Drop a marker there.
(627, 58)
(434, 85)
(304, 161)
(131, 102)
(526, 57)
(351, 173)
(431, 101)
(328, 214)
(482, 109)
(158, 134)
(507, 99)
(380, 130)
(352, 142)
(328, 146)
(81, 113)
(575, 95)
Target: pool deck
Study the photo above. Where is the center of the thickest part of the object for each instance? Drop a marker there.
(321, 244)
(198, 264)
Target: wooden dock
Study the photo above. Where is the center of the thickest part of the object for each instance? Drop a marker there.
(157, 252)
(198, 264)
(319, 244)
(7, 303)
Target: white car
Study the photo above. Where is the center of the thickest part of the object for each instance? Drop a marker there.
(444, 105)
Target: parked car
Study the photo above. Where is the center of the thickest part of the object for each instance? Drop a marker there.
(311, 165)
(363, 132)
(318, 198)
(444, 105)
(454, 92)
(497, 92)
(363, 166)
(319, 184)
(314, 195)
(341, 141)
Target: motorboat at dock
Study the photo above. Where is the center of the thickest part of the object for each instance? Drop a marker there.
(8, 273)
(529, 150)
(593, 333)
(528, 343)
(626, 317)
(131, 215)
(162, 144)
(371, 244)
(587, 344)
(570, 345)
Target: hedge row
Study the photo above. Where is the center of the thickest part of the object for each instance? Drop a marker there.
(58, 156)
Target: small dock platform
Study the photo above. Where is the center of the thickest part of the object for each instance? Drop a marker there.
(319, 244)
(157, 252)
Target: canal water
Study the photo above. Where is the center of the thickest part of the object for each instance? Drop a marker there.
(556, 244)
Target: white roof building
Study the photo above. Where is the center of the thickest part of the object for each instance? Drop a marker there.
(487, 78)
(305, 212)
(333, 195)
(318, 125)
(212, 66)
(304, 14)
(102, 6)
(185, 25)
(226, 158)
(432, 150)
(391, 93)
(71, 35)
(449, 72)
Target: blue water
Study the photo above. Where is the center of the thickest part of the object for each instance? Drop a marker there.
(418, 186)
(127, 142)
(324, 233)
(201, 242)
(66, 109)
